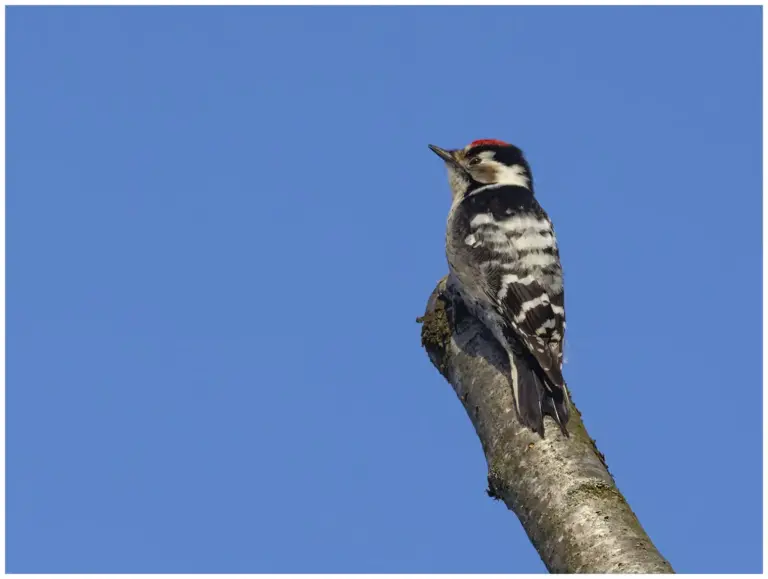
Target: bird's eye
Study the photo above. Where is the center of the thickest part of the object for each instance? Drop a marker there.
(475, 161)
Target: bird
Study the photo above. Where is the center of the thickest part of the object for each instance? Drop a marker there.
(504, 261)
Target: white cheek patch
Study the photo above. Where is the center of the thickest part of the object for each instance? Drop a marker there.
(514, 175)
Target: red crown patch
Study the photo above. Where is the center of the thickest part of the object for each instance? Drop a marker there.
(481, 142)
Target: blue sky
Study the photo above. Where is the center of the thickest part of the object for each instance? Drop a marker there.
(222, 224)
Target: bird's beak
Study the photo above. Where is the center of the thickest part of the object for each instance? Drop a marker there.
(446, 156)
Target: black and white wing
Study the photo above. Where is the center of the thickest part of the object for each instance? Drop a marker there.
(510, 243)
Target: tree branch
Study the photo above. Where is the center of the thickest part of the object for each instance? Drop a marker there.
(558, 487)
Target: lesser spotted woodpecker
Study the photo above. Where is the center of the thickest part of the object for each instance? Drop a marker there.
(504, 260)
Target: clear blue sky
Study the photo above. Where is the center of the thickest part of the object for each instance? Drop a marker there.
(223, 222)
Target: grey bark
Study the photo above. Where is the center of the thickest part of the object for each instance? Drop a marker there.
(558, 487)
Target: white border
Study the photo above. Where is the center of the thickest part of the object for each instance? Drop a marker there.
(391, 3)
(344, 3)
(765, 302)
(2, 295)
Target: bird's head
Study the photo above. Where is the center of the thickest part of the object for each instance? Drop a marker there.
(484, 162)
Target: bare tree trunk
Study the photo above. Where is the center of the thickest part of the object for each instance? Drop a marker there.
(559, 488)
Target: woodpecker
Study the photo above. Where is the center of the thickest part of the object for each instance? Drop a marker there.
(504, 260)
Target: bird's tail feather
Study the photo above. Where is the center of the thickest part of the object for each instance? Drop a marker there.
(534, 399)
